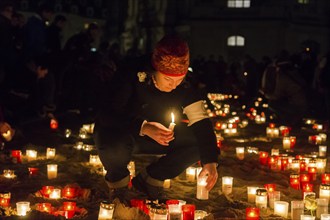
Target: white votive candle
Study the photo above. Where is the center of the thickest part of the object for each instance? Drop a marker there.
(297, 209)
(94, 160)
(167, 183)
(31, 154)
(202, 192)
(322, 151)
(251, 193)
(281, 208)
(106, 211)
(22, 208)
(324, 191)
(240, 152)
(322, 207)
(261, 199)
(55, 194)
(52, 171)
(190, 174)
(50, 154)
(227, 184)
(286, 143)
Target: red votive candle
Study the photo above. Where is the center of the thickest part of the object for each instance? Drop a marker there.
(325, 178)
(295, 181)
(284, 163)
(69, 192)
(299, 157)
(272, 162)
(69, 209)
(217, 126)
(303, 166)
(44, 207)
(304, 178)
(33, 171)
(293, 141)
(312, 171)
(5, 199)
(263, 157)
(252, 213)
(47, 190)
(138, 203)
(172, 202)
(271, 125)
(16, 156)
(188, 212)
(307, 187)
(53, 124)
(270, 187)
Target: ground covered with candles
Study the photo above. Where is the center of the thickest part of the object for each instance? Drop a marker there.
(266, 171)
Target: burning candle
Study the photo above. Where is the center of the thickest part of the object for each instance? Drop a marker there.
(69, 209)
(47, 190)
(167, 184)
(188, 212)
(263, 156)
(307, 188)
(284, 163)
(322, 151)
(16, 156)
(295, 181)
(33, 171)
(261, 198)
(297, 209)
(172, 124)
(82, 133)
(200, 214)
(303, 166)
(174, 211)
(312, 171)
(270, 187)
(67, 133)
(55, 194)
(322, 207)
(50, 154)
(5, 199)
(52, 171)
(202, 192)
(190, 174)
(252, 213)
(275, 152)
(69, 192)
(240, 153)
(325, 191)
(284, 130)
(44, 207)
(273, 162)
(295, 165)
(286, 143)
(281, 208)
(89, 128)
(22, 208)
(251, 193)
(31, 155)
(53, 124)
(227, 185)
(323, 136)
(106, 210)
(273, 196)
(325, 177)
(9, 174)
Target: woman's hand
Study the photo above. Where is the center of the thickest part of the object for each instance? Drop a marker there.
(210, 170)
(158, 132)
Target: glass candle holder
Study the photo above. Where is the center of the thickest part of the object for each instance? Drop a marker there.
(252, 213)
(200, 214)
(297, 209)
(275, 152)
(188, 212)
(202, 193)
(9, 174)
(251, 193)
(94, 160)
(106, 210)
(52, 171)
(16, 156)
(322, 151)
(47, 190)
(31, 155)
(174, 211)
(22, 208)
(322, 207)
(50, 153)
(270, 187)
(33, 171)
(261, 198)
(55, 194)
(67, 133)
(304, 178)
(263, 157)
(325, 178)
(286, 143)
(5, 199)
(69, 192)
(69, 209)
(312, 171)
(273, 197)
(295, 181)
(324, 191)
(167, 184)
(44, 207)
(190, 174)
(227, 184)
(281, 208)
(240, 153)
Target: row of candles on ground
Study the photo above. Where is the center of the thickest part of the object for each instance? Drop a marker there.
(33, 171)
(262, 197)
(31, 155)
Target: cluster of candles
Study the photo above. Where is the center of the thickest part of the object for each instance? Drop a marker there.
(85, 147)
(68, 208)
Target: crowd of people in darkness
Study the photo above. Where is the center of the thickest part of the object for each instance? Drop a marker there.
(41, 75)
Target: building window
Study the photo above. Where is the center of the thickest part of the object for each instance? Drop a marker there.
(235, 41)
(303, 2)
(240, 3)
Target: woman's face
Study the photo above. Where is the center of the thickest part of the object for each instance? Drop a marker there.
(167, 83)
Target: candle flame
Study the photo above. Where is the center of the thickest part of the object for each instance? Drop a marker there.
(172, 115)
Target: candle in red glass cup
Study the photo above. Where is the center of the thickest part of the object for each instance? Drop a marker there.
(217, 125)
(284, 163)
(271, 125)
(263, 157)
(295, 181)
(292, 141)
(172, 202)
(307, 187)
(69, 192)
(312, 171)
(16, 156)
(272, 162)
(47, 190)
(33, 171)
(4, 199)
(138, 203)
(69, 209)
(284, 130)
(53, 124)
(188, 212)
(44, 207)
(252, 213)
(303, 166)
(299, 157)
(325, 178)
(270, 187)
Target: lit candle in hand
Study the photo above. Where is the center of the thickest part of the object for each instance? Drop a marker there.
(172, 124)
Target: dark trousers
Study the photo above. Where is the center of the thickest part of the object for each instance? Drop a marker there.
(116, 150)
